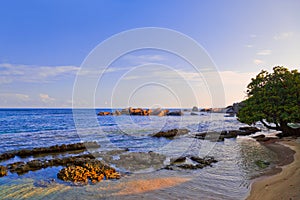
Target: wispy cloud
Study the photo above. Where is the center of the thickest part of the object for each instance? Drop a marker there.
(258, 62)
(30, 73)
(9, 96)
(264, 52)
(253, 36)
(45, 98)
(284, 35)
(249, 45)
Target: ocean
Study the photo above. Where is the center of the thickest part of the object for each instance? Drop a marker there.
(229, 178)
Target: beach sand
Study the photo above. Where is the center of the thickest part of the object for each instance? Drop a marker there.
(286, 183)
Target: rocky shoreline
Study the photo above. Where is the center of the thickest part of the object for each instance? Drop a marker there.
(87, 168)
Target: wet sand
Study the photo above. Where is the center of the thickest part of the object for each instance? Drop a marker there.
(286, 183)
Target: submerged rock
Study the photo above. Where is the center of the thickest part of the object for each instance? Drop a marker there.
(136, 161)
(198, 163)
(262, 164)
(171, 133)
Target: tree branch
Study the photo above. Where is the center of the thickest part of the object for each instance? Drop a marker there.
(268, 126)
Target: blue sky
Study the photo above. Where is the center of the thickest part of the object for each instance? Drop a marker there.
(43, 43)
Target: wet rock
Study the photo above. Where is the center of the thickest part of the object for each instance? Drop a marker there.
(171, 133)
(177, 160)
(52, 149)
(104, 113)
(262, 164)
(199, 163)
(35, 164)
(6, 156)
(22, 169)
(220, 136)
(117, 113)
(204, 161)
(249, 129)
(3, 171)
(93, 170)
(264, 139)
(125, 111)
(175, 113)
(195, 109)
(259, 136)
(13, 166)
(136, 161)
(190, 166)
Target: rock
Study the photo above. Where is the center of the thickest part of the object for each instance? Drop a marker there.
(117, 113)
(56, 149)
(190, 166)
(156, 111)
(177, 160)
(6, 156)
(3, 171)
(205, 161)
(104, 113)
(136, 161)
(249, 129)
(220, 136)
(94, 171)
(199, 162)
(195, 109)
(192, 113)
(136, 111)
(263, 139)
(125, 111)
(13, 166)
(262, 164)
(206, 110)
(22, 169)
(35, 165)
(175, 113)
(171, 133)
(259, 136)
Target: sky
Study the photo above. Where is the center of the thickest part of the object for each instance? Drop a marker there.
(44, 44)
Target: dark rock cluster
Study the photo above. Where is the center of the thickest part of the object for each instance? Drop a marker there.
(52, 149)
(33, 165)
(171, 133)
(198, 163)
(220, 136)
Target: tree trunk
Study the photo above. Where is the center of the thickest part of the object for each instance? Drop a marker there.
(289, 131)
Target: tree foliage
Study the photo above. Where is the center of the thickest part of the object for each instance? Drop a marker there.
(274, 100)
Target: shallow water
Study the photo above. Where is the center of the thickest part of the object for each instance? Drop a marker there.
(227, 179)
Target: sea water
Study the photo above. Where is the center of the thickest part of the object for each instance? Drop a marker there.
(229, 178)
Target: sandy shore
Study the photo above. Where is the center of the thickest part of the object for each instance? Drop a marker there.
(286, 183)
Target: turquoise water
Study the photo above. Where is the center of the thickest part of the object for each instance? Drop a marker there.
(228, 179)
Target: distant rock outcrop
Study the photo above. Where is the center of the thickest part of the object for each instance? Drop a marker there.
(195, 109)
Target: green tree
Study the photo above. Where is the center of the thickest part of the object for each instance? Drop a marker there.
(274, 100)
